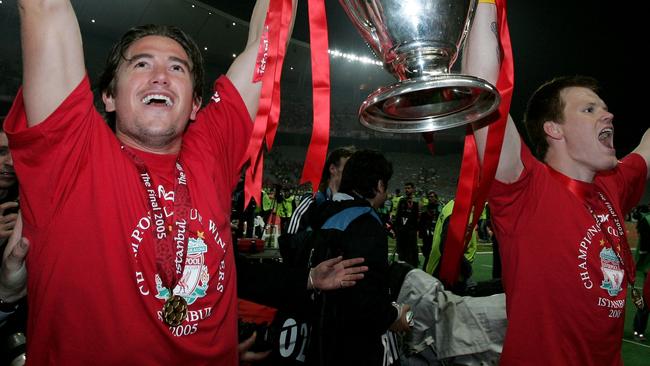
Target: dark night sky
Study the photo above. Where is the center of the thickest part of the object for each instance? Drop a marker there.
(550, 38)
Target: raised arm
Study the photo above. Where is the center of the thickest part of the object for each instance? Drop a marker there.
(482, 58)
(644, 149)
(53, 63)
(241, 70)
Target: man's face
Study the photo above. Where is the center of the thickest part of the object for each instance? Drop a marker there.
(409, 190)
(153, 97)
(7, 173)
(588, 131)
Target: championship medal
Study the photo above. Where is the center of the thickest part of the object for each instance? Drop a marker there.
(174, 311)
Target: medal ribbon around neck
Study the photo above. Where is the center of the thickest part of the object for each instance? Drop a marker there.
(584, 193)
(170, 266)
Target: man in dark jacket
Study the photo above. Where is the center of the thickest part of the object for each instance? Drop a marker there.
(406, 226)
(350, 326)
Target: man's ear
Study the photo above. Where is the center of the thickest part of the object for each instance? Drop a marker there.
(196, 105)
(332, 169)
(553, 130)
(109, 102)
(381, 187)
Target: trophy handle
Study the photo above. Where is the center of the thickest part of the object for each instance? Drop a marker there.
(353, 9)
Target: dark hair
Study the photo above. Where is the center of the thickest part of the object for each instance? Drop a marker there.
(334, 158)
(409, 184)
(546, 104)
(118, 55)
(362, 172)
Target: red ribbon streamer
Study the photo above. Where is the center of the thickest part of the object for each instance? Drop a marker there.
(428, 139)
(268, 112)
(274, 114)
(467, 197)
(317, 151)
(458, 228)
(496, 130)
(278, 21)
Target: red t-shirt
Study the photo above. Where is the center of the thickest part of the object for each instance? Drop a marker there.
(94, 294)
(565, 287)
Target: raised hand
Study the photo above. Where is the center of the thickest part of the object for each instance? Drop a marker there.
(246, 356)
(336, 273)
(8, 218)
(13, 274)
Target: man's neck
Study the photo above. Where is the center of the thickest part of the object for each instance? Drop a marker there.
(570, 169)
(333, 188)
(171, 148)
(375, 203)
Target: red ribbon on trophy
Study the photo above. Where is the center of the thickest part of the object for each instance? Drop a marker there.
(269, 70)
(320, 65)
(472, 190)
(428, 139)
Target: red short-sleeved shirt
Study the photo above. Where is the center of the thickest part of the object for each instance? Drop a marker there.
(565, 286)
(94, 294)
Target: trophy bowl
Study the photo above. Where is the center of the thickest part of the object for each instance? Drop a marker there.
(418, 41)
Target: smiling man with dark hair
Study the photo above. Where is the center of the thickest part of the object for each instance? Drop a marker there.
(131, 259)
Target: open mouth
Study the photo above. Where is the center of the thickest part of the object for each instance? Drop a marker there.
(7, 174)
(157, 100)
(606, 137)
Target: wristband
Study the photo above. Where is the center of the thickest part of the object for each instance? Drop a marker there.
(311, 282)
(487, 1)
(397, 307)
(409, 318)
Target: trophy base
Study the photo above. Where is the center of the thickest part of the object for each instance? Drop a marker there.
(429, 103)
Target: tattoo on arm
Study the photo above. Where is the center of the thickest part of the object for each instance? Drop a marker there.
(495, 30)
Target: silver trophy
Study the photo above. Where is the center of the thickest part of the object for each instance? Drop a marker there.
(418, 42)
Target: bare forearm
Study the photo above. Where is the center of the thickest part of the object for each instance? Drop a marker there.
(482, 54)
(53, 61)
(242, 69)
(482, 58)
(256, 27)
